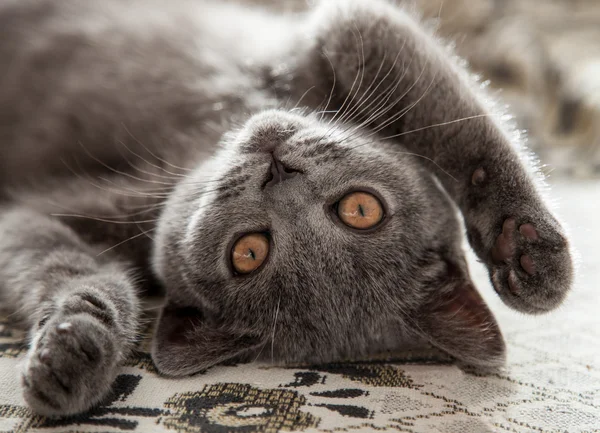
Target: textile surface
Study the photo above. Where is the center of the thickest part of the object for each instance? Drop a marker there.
(551, 382)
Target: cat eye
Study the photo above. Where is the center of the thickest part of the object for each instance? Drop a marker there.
(360, 210)
(249, 252)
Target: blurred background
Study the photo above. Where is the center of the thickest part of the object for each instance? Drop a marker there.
(544, 58)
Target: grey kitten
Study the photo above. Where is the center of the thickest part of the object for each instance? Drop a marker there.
(291, 181)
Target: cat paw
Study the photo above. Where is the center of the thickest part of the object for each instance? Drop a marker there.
(531, 268)
(72, 362)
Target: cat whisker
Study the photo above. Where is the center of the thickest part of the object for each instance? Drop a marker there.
(400, 113)
(173, 176)
(274, 328)
(332, 85)
(385, 106)
(143, 206)
(325, 112)
(351, 92)
(152, 153)
(149, 208)
(403, 111)
(406, 110)
(363, 110)
(361, 70)
(152, 193)
(159, 194)
(89, 181)
(144, 232)
(17, 312)
(166, 191)
(119, 172)
(329, 131)
(104, 220)
(382, 100)
(357, 111)
(302, 97)
(477, 116)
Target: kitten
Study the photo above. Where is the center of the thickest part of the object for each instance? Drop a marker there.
(290, 181)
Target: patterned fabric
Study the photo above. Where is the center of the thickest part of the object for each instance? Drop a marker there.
(551, 383)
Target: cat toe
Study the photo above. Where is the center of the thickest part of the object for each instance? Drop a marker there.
(531, 270)
(70, 368)
(527, 264)
(504, 247)
(528, 231)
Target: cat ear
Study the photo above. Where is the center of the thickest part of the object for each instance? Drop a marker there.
(185, 342)
(457, 320)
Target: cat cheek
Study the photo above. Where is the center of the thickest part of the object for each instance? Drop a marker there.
(185, 343)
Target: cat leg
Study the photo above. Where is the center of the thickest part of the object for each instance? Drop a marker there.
(82, 312)
(395, 80)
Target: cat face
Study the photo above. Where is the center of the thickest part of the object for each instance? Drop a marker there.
(330, 252)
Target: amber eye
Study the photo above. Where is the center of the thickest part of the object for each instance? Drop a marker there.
(249, 252)
(360, 210)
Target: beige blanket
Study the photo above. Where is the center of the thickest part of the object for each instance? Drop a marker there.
(551, 383)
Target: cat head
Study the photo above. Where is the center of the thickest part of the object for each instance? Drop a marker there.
(304, 241)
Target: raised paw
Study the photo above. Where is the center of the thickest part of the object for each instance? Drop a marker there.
(73, 359)
(530, 268)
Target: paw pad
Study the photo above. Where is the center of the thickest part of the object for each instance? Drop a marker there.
(504, 248)
(45, 356)
(513, 284)
(527, 264)
(528, 231)
(478, 177)
(530, 270)
(70, 366)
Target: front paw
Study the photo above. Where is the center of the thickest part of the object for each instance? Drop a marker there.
(71, 364)
(531, 268)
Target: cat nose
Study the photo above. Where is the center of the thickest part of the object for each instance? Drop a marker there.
(278, 173)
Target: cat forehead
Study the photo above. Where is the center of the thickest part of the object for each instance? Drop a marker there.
(269, 129)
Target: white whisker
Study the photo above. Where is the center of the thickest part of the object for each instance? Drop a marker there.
(152, 153)
(477, 116)
(144, 232)
(274, 327)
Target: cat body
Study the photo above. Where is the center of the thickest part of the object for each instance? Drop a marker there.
(141, 142)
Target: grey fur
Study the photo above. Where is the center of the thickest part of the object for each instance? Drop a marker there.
(135, 140)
